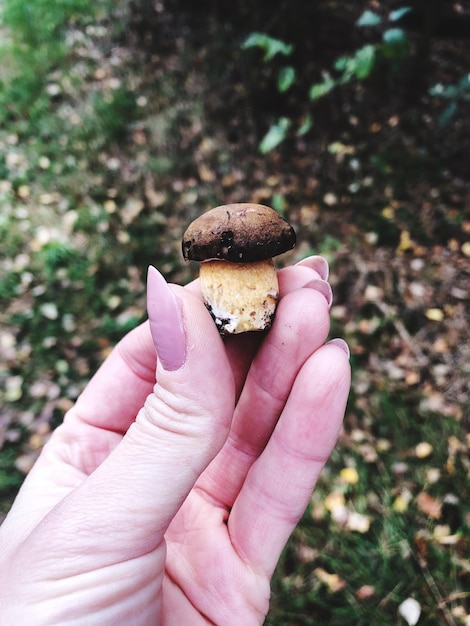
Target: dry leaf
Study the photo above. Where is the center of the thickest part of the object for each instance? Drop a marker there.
(366, 592)
(435, 315)
(357, 522)
(349, 475)
(423, 450)
(332, 581)
(429, 505)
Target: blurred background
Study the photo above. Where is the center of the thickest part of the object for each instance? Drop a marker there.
(122, 121)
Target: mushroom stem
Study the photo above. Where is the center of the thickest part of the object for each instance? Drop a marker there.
(240, 296)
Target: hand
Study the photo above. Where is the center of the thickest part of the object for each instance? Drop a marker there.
(170, 503)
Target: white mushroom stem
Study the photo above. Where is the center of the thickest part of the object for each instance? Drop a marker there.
(240, 296)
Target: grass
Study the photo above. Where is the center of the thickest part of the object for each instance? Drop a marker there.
(100, 171)
(338, 572)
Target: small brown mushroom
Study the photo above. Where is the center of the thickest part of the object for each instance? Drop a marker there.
(235, 244)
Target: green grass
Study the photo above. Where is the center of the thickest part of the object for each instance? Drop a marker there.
(402, 554)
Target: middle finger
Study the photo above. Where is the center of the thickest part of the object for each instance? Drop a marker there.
(301, 326)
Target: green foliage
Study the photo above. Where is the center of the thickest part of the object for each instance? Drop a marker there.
(319, 90)
(393, 48)
(36, 44)
(369, 18)
(34, 24)
(269, 45)
(454, 94)
(275, 135)
(286, 78)
(359, 66)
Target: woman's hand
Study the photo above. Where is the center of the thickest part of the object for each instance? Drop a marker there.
(169, 502)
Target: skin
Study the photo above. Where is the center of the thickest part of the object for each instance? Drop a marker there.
(170, 502)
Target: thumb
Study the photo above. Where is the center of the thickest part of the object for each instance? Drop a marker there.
(139, 487)
(186, 419)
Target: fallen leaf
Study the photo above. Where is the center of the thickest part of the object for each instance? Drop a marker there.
(406, 243)
(410, 610)
(429, 505)
(400, 504)
(366, 592)
(423, 450)
(332, 581)
(334, 500)
(349, 475)
(444, 536)
(435, 315)
(466, 248)
(357, 522)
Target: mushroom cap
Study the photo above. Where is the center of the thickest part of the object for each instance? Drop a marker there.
(240, 233)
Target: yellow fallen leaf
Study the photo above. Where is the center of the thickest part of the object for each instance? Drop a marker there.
(23, 191)
(442, 534)
(406, 243)
(110, 206)
(334, 500)
(388, 212)
(423, 450)
(205, 173)
(400, 504)
(332, 581)
(466, 248)
(435, 314)
(349, 475)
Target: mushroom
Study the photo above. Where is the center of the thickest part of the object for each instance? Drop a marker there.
(235, 244)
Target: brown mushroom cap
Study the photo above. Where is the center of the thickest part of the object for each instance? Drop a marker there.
(240, 233)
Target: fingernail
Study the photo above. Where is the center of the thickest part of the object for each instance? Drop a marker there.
(317, 263)
(166, 323)
(341, 344)
(323, 287)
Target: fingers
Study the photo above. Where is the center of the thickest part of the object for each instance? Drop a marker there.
(118, 390)
(311, 272)
(300, 327)
(278, 487)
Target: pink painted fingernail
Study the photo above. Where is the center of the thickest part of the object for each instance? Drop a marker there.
(323, 287)
(341, 344)
(166, 323)
(317, 263)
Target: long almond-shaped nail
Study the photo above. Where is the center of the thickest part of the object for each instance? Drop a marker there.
(166, 323)
(323, 287)
(317, 263)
